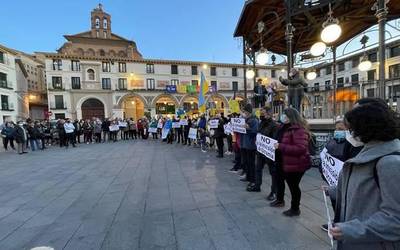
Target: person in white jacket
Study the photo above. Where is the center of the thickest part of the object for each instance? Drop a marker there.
(69, 133)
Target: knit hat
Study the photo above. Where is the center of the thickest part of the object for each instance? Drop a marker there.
(248, 108)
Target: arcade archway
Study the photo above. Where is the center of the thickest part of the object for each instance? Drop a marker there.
(92, 107)
(190, 104)
(217, 103)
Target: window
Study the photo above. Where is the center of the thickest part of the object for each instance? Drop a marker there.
(340, 82)
(106, 66)
(328, 85)
(316, 86)
(122, 67)
(150, 68)
(394, 51)
(105, 33)
(91, 76)
(394, 92)
(273, 73)
(57, 82)
(174, 69)
(354, 79)
(4, 102)
(75, 82)
(194, 71)
(106, 83)
(371, 75)
(122, 83)
(235, 86)
(234, 72)
(151, 84)
(370, 92)
(59, 116)
(213, 86)
(1, 57)
(213, 71)
(394, 71)
(57, 64)
(341, 66)
(328, 70)
(97, 23)
(373, 57)
(105, 23)
(59, 101)
(3, 80)
(75, 65)
(355, 61)
(318, 71)
(174, 82)
(195, 82)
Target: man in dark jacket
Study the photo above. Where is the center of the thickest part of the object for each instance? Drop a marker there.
(268, 128)
(21, 137)
(219, 136)
(296, 85)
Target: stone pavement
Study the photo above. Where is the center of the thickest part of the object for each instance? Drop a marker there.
(145, 195)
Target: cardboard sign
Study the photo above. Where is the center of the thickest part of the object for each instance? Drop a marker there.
(113, 128)
(164, 133)
(176, 125)
(160, 124)
(184, 122)
(265, 146)
(228, 128)
(192, 133)
(152, 130)
(331, 167)
(238, 125)
(213, 123)
(123, 124)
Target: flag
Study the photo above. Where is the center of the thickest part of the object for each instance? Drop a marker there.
(203, 91)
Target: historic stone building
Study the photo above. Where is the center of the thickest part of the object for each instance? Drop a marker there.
(98, 73)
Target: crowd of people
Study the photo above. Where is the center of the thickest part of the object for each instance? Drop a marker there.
(366, 201)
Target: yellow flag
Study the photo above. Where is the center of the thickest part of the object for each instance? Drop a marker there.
(234, 106)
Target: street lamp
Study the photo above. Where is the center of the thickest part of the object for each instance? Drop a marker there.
(250, 74)
(262, 57)
(365, 63)
(205, 66)
(311, 75)
(318, 49)
(331, 28)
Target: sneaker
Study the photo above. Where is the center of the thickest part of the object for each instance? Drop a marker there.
(233, 170)
(271, 197)
(203, 150)
(277, 203)
(324, 227)
(291, 213)
(253, 188)
(243, 178)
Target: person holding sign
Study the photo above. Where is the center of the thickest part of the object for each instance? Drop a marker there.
(186, 129)
(268, 128)
(292, 158)
(219, 135)
(368, 198)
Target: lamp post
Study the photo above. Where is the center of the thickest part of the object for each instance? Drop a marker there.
(244, 69)
(381, 13)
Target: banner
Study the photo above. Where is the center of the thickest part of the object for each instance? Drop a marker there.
(192, 133)
(191, 89)
(152, 130)
(170, 89)
(176, 125)
(184, 122)
(164, 133)
(213, 123)
(331, 167)
(265, 146)
(160, 124)
(113, 128)
(228, 128)
(238, 125)
(123, 124)
(234, 106)
(182, 89)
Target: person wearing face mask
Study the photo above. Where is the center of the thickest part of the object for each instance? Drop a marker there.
(292, 158)
(296, 86)
(268, 128)
(21, 137)
(367, 214)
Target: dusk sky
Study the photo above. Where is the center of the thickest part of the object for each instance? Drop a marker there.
(173, 29)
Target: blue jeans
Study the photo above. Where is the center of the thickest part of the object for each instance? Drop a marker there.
(34, 144)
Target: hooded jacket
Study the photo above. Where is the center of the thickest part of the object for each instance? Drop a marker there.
(369, 207)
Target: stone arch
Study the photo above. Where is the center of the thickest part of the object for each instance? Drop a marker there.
(122, 98)
(240, 97)
(219, 96)
(91, 74)
(112, 53)
(86, 98)
(188, 96)
(90, 52)
(176, 102)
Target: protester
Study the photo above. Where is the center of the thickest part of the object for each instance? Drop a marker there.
(106, 129)
(69, 133)
(21, 137)
(367, 197)
(186, 129)
(87, 128)
(97, 131)
(78, 130)
(8, 135)
(219, 136)
(33, 136)
(202, 132)
(293, 158)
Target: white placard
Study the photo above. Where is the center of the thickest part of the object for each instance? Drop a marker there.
(213, 123)
(192, 133)
(113, 128)
(160, 124)
(238, 125)
(265, 146)
(144, 131)
(176, 125)
(152, 130)
(331, 167)
(228, 128)
(164, 133)
(184, 122)
(123, 124)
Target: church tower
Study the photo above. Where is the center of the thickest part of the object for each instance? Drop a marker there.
(101, 23)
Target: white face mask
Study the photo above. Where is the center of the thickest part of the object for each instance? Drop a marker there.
(354, 141)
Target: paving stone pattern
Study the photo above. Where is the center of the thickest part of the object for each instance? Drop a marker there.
(145, 195)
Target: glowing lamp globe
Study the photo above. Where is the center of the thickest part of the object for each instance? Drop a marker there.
(250, 74)
(331, 33)
(365, 65)
(311, 75)
(318, 49)
(262, 58)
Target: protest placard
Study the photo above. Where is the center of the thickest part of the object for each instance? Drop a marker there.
(152, 130)
(176, 125)
(238, 125)
(184, 122)
(265, 146)
(113, 128)
(160, 124)
(192, 133)
(331, 167)
(213, 123)
(228, 128)
(123, 124)
(164, 133)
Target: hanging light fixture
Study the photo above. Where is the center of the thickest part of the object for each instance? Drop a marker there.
(311, 75)
(262, 56)
(318, 49)
(331, 28)
(250, 74)
(365, 63)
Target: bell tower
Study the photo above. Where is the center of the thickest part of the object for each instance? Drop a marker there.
(101, 23)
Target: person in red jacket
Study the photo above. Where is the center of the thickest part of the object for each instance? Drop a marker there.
(292, 158)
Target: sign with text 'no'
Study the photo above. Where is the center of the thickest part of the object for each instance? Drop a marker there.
(265, 146)
(238, 125)
(213, 123)
(331, 167)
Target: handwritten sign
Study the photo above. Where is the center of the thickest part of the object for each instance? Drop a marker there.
(176, 125)
(184, 122)
(213, 123)
(228, 128)
(153, 130)
(238, 125)
(113, 128)
(123, 124)
(265, 146)
(192, 133)
(331, 167)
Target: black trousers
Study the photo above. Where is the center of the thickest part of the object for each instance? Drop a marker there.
(238, 160)
(250, 155)
(70, 138)
(179, 135)
(229, 142)
(7, 140)
(220, 145)
(261, 160)
(293, 180)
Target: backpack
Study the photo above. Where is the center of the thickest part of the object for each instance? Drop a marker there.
(376, 171)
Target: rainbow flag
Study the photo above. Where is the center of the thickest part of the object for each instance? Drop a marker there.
(202, 93)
